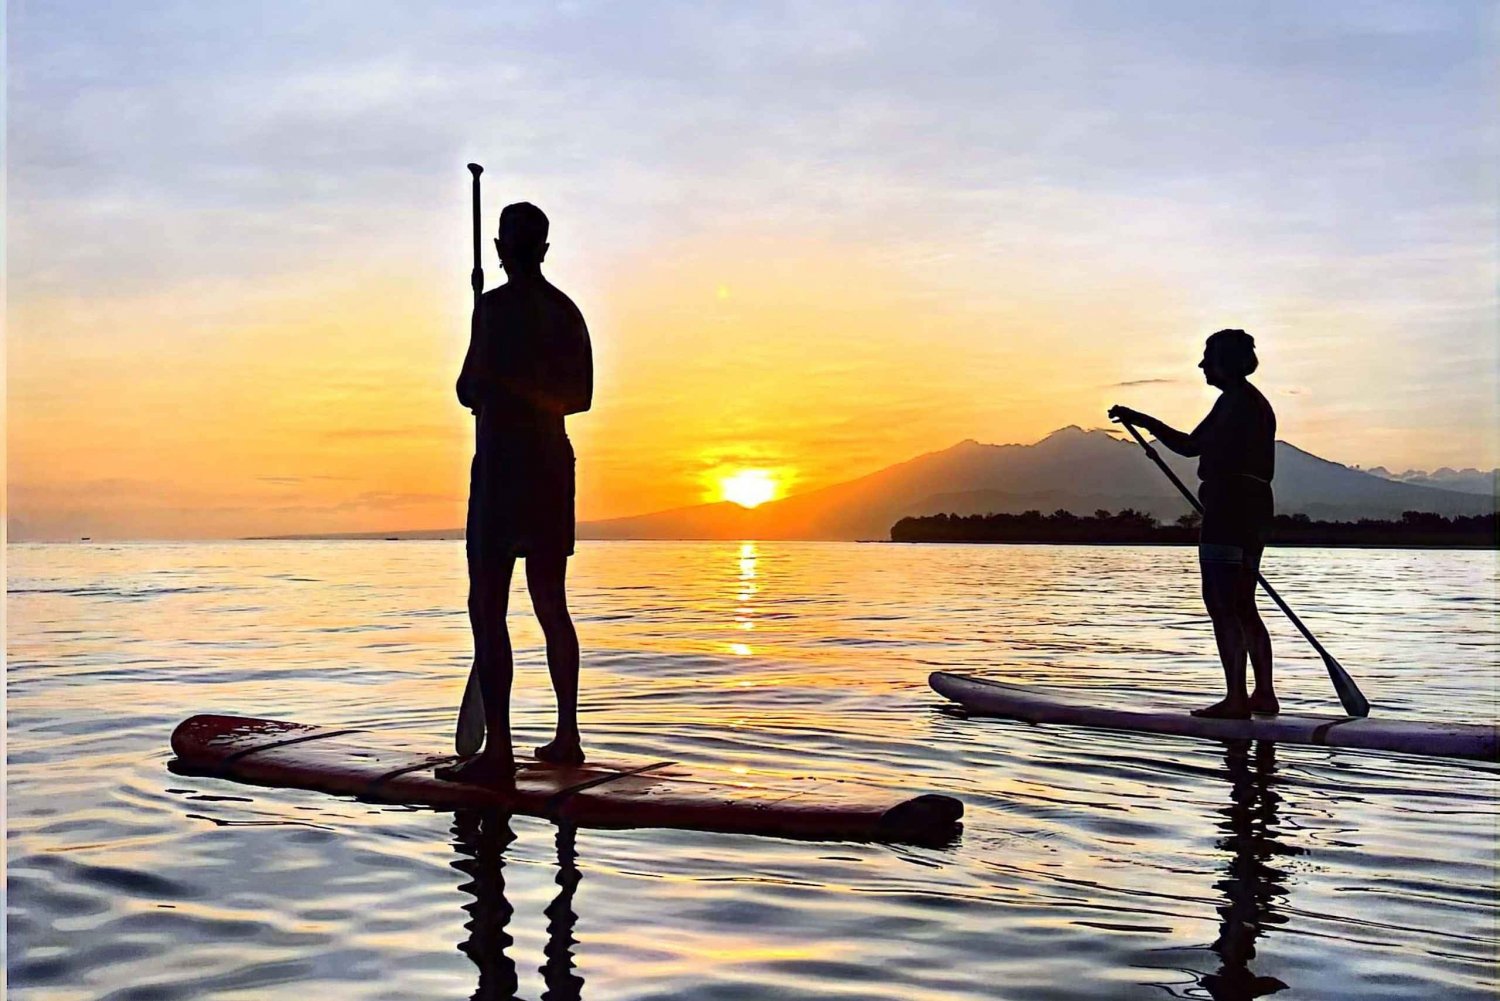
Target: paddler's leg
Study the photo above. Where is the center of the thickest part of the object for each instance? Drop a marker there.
(1257, 639)
(546, 579)
(1222, 567)
(489, 595)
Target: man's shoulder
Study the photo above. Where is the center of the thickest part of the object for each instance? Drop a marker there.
(563, 300)
(492, 302)
(1251, 400)
(513, 294)
(507, 302)
(497, 296)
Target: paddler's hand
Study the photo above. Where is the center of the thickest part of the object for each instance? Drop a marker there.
(1121, 414)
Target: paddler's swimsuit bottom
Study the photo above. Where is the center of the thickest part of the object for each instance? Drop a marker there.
(521, 489)
(1237, 515)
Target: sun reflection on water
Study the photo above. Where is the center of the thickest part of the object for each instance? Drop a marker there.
(746, 590)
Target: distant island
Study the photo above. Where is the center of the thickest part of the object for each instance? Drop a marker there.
(1132, 527)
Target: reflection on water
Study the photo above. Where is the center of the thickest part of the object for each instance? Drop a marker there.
(1092, 864)
(1253, 887)
(745, 591)
(481, 839)
(1253, 890)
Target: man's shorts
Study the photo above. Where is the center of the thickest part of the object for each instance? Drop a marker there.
(1237, 516)
(1218, 554)
(521, 489)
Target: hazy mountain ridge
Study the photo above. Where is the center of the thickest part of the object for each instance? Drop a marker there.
(1467, 480)
(1070, 469)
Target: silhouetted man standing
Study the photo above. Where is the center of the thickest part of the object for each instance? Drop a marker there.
(1236, 449)
(529, 365)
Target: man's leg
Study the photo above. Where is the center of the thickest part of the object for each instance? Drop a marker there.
(489, 596)
(1223, 571)
(1258, 642)
(546, 579)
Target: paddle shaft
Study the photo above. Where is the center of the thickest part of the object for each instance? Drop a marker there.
(468, 736)
(1352, 699)
(476, 277)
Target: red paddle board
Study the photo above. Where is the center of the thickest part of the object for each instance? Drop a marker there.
(387, 768)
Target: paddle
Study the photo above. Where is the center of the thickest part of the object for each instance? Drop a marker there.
(469, 735)
(1352, 699)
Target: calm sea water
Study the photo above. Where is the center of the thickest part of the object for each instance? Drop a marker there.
(1092, 864)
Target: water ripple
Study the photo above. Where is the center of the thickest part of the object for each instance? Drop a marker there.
(1092, 864)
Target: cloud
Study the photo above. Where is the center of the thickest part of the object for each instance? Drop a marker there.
(415, 432)
(292, 481)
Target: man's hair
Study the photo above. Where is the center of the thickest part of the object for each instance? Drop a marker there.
(1236, 348)
(526, 225)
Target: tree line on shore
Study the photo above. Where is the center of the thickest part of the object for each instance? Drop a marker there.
(1132, 527)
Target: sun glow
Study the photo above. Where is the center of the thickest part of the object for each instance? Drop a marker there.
(749, 487)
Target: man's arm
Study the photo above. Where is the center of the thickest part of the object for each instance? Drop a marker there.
(1183, 443)
(468, 387)
(579, 393)
(562, 378)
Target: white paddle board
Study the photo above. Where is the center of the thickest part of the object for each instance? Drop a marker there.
(1034, 705)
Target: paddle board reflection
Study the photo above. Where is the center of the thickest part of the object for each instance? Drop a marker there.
(480, 838)
(1252, 885)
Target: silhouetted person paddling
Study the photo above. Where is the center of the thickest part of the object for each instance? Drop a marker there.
(529, 365)
(1236, 446)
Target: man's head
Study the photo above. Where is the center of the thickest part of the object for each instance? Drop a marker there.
(1228, 357)
(523, 236)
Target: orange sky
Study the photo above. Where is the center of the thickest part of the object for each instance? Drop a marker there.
(238, 295)
(325, 404)
(328, 406)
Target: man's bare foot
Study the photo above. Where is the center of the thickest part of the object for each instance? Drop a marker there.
(1264, 703)
(561, 751)
(1225, 709)
(483, 769)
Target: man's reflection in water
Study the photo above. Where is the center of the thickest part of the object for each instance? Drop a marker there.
(481, 838)
(1252, 886)
(562, 984)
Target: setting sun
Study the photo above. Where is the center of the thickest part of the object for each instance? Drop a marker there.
(749, 487)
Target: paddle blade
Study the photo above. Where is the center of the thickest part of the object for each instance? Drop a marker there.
(1350, 697)
(469, 736)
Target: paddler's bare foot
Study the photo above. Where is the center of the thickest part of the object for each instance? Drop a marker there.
(561, 751)
(1225, 709)
(484, 769)
(1264, 703)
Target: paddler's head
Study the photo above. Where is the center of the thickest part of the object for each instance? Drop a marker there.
(522, 243)
(1228, 357)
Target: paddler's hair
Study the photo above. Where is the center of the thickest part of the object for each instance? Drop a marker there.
(1236, 350)
(523, 227)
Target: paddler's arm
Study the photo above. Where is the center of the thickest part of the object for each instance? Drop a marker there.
(563, 379)
(468, 377)
(580, 382)
(1181, 442)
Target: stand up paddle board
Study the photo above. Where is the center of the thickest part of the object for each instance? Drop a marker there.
(995, 698)
(386, 768)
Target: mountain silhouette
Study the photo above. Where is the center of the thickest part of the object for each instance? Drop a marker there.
(1468, 481)
(1073, 469)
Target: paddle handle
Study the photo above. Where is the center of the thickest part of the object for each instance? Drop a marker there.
(1350, 697)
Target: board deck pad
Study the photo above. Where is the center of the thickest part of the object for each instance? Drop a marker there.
(982, 696)
(389, 768)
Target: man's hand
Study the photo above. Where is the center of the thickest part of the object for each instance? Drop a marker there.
(1121, 414)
